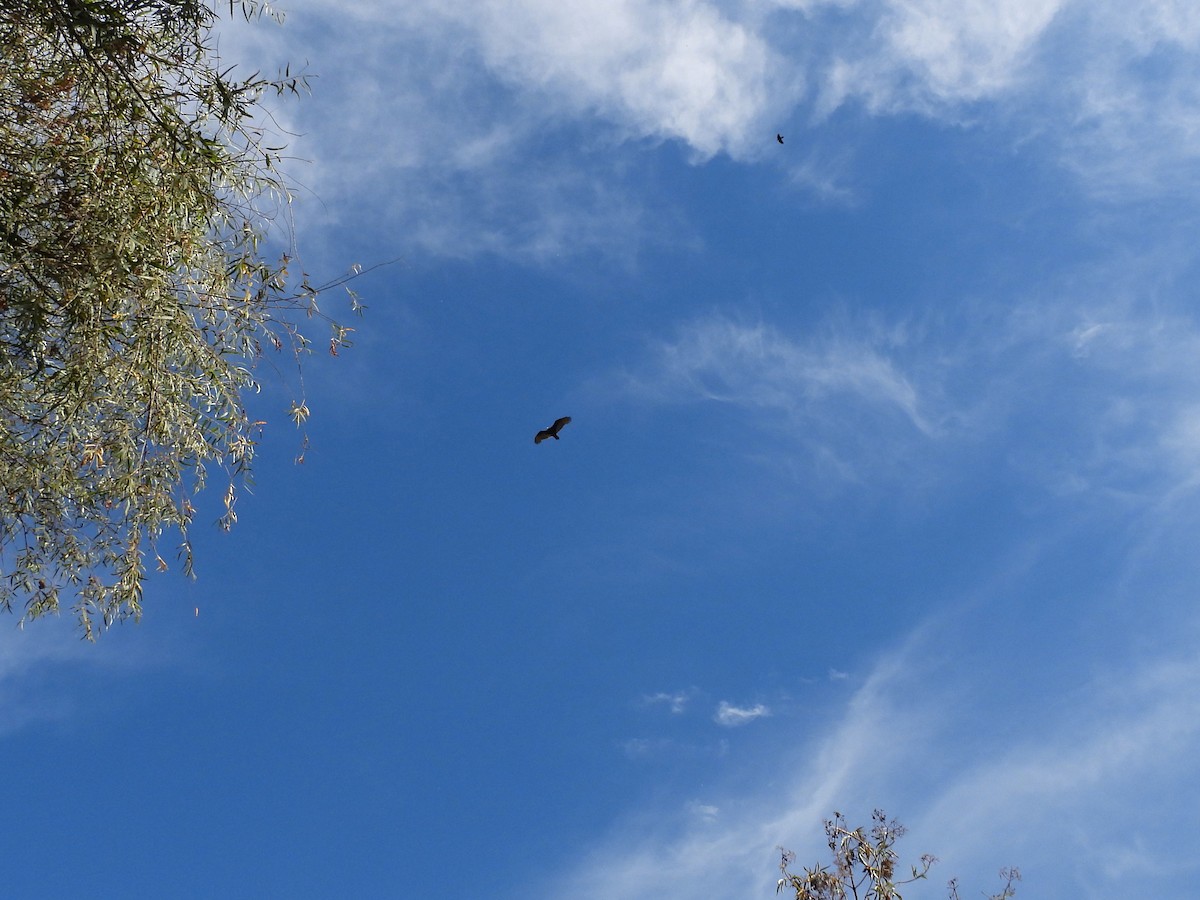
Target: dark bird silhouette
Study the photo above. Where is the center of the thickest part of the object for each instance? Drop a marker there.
(552, 431)
(779, 137)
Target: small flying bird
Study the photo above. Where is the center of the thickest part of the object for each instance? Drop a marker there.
(552, 431)
(779, 137)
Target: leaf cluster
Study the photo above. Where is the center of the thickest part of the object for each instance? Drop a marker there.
(864, 866)
(136, 299)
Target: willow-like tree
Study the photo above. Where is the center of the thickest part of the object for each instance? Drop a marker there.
(136, 296)
(864, 866)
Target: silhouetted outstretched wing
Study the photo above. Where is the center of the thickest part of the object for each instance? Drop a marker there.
(779, 137)
(552, 431)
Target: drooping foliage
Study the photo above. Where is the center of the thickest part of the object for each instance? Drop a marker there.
(136, 193)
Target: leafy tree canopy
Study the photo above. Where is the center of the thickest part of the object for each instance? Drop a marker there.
(864, 866)
(136, 298)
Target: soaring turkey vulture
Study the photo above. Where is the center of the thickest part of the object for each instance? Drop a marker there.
(552, 431)
(779, 137)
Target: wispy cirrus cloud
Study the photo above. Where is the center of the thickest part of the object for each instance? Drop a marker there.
(758, 366)
(641, 749)
(983, 742)
(1125, 409)
(734, 857)
(978, 797)
(705, 812)
(31, 657)
(1136, 734)
(843, 395)
(676, 702)
(1092, 372)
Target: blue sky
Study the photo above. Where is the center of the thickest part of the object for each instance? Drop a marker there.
(880, 489)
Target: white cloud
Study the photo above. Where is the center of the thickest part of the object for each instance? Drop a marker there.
(414, 139)
(521, 127)
(676, 702)
(704, 812)
(654, 749)
(1126, 108)
(1107, 87)
(967, 49)
(663, 69)
(641, 748)
(732, 716)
